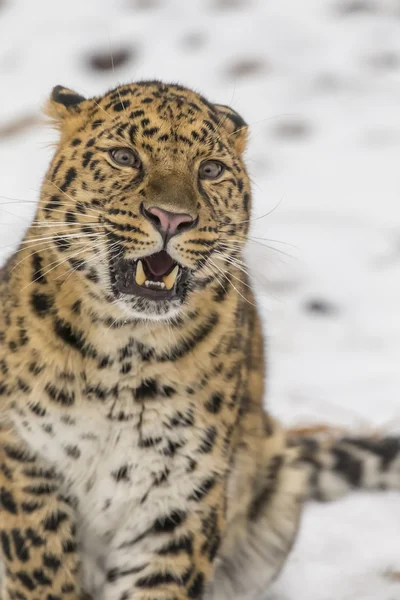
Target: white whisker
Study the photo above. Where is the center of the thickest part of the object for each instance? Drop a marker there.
(232, 284)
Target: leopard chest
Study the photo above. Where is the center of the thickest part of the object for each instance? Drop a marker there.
(121, 474)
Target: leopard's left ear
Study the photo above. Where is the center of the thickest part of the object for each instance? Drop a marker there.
(234, 124)
(63, 104)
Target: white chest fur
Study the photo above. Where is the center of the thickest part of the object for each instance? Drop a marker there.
(122, 475)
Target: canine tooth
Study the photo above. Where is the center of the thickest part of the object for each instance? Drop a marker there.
(170, 279)
(140, 274)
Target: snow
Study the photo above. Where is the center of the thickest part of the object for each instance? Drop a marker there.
(319, 83)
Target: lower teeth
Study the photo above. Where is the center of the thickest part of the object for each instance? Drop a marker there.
(155, 284)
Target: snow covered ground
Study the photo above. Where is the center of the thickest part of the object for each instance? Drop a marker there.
(319, 82)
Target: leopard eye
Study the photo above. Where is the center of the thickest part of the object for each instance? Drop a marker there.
(211, 169)
(125, 157)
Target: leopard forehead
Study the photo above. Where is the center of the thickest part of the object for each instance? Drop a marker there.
(173, 104)
(149, 113)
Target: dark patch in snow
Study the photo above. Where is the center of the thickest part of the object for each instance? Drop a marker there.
(320, 307)
(108, 60)
(385, 61)
(146, 4)
(293, 129)
(356, 7)
(247, 67)
(230, 4)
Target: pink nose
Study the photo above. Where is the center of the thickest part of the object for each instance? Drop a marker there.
(168, 223)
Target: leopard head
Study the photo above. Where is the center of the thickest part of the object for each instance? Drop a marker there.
(147, 193)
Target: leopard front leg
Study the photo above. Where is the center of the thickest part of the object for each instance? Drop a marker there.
(37, 529)
(172, 558)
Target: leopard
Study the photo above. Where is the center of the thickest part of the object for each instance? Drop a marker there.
(138, 460)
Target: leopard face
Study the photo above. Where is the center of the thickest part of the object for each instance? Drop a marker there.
(149, 193)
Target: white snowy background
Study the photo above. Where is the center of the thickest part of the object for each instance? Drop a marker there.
(319, 83)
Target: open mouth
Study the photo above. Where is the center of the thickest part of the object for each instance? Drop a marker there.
(157, 276)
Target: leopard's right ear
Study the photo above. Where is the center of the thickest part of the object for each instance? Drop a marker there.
(63, 104)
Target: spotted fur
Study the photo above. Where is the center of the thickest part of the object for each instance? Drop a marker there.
(137, 462)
